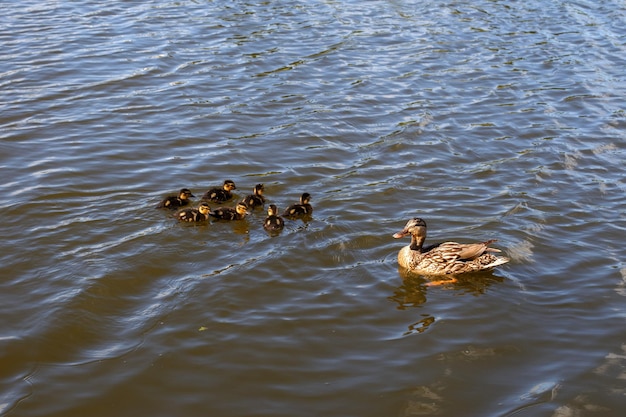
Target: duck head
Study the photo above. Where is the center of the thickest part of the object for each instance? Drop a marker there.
(204, 208)
(229, 185)
(184, 194)
(272, 210)
(242, 208)
(415, 227)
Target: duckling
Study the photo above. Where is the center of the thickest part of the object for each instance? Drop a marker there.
(199, 214)
(273, 222)
(230, 213)
(256, 199)
(444, 258)
(175, 201)
(301, 209)
(219, 195)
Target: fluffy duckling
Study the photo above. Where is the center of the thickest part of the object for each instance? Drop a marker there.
(301, 209)
(273, 222)
(219, 195)
(175, 201)
(256, 199)
(444, 258)
(199, 214)
(231, 213)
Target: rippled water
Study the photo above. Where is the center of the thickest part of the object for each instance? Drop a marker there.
(490, 119)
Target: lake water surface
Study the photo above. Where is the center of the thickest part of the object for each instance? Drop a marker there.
(489, 119)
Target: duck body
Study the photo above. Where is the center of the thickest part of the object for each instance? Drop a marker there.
(444, 258)
(176, 201)
(220, 195)
(199, 214)
(256, 199)
(304, 208)
(273, 222)
(231, 213)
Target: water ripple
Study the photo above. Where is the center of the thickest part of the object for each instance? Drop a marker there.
(490, 120)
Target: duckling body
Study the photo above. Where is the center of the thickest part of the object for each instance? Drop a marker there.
(444, 258)
(256, 199)
(175, 201)
(303, 208)
(199, 214)
(273, 222)
(231, 213)
(219, 195)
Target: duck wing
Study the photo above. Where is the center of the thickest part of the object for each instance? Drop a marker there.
(453, 251)
(474, 250)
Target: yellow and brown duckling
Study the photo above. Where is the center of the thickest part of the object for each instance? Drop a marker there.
(199, 214)
(231, 213)
(256, 199)
(273, 222)
(444, 258)
(303, 208)
(219, 195)
(175, 201)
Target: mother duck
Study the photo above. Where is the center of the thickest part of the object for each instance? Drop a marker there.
(444, 258)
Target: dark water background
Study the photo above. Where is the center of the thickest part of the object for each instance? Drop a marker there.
(490, 119)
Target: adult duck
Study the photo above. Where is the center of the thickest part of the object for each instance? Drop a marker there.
(303, 208)
(444, 258)
(175, 201)
(219, 195)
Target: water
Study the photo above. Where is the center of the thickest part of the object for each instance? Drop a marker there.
(490, 119)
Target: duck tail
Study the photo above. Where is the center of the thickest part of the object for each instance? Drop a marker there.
(498, 261)
(489, 242)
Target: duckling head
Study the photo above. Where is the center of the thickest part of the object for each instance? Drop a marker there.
(185, 193)
(272, 210)
(242, 208)
(229, 185)
(305, 198)
(258, 189)
(204, 208)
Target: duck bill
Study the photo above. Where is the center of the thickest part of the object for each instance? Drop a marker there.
(400, 234)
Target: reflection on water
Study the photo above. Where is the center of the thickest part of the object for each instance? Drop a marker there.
(420, 326)
(414, 289)
(412, 292)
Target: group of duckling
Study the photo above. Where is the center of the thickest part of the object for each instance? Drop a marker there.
(273, 223)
